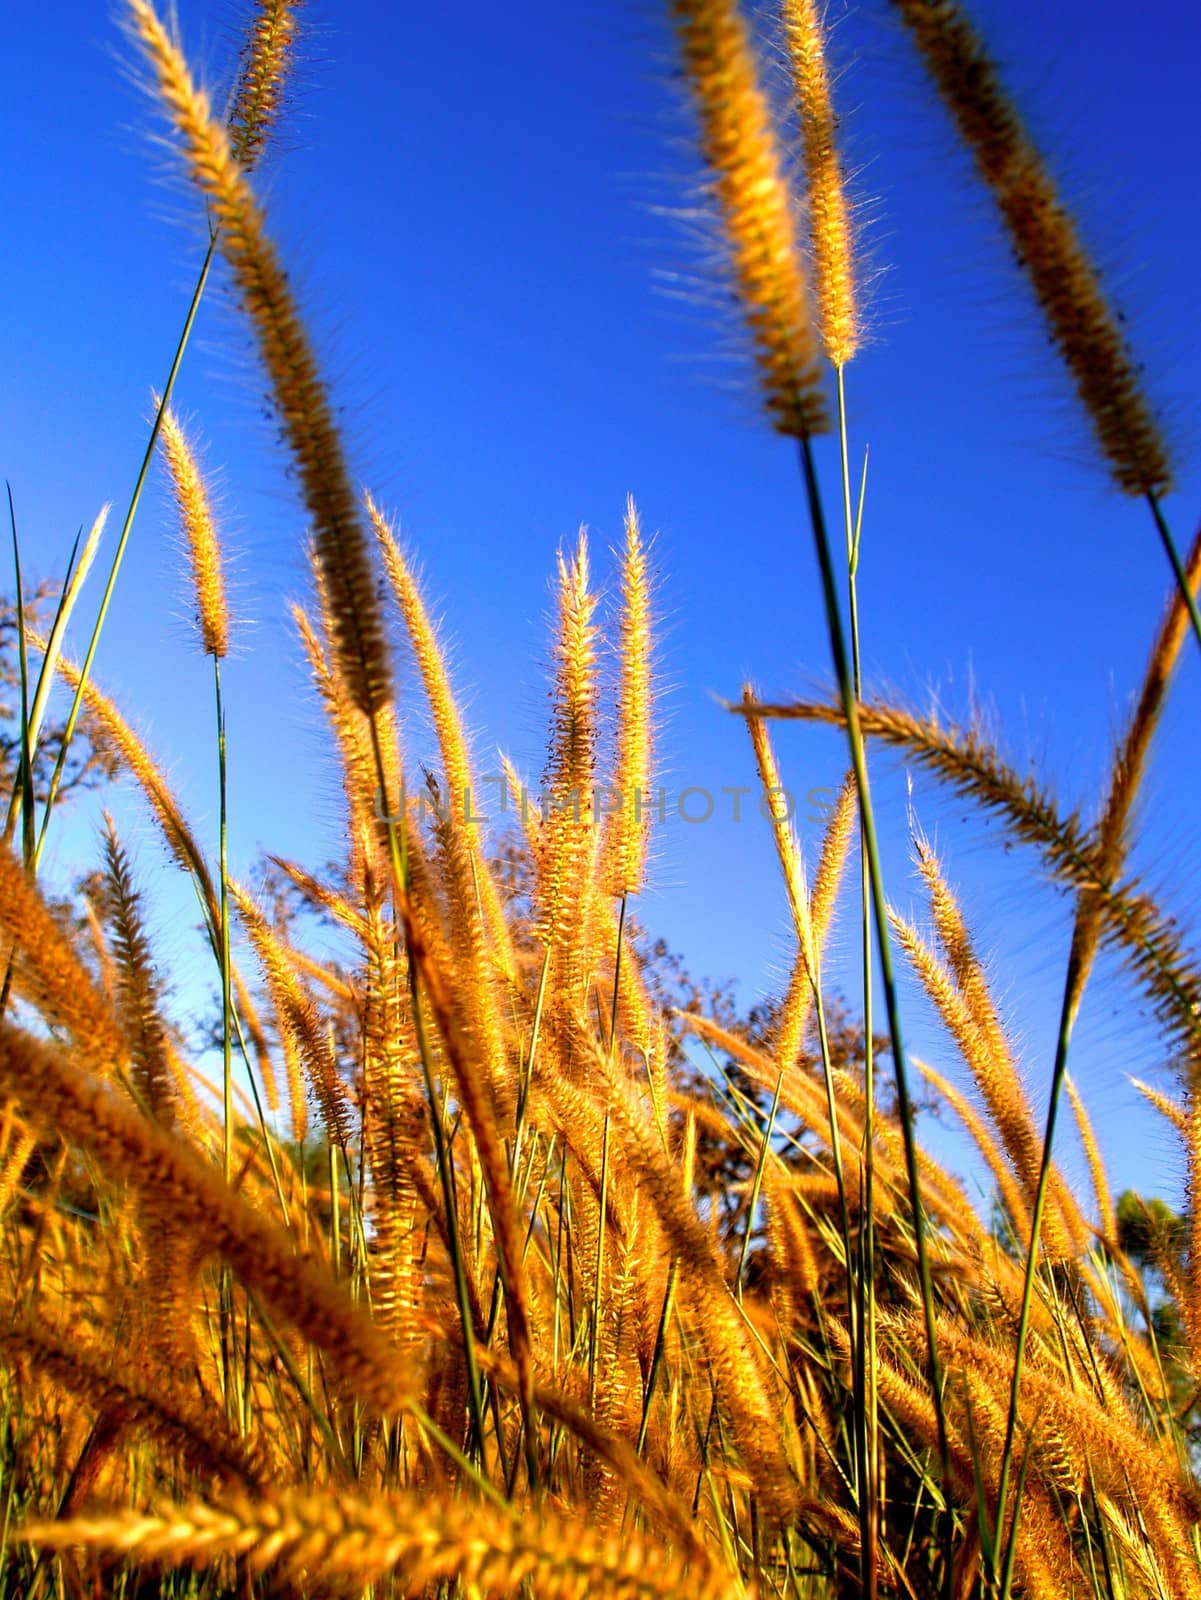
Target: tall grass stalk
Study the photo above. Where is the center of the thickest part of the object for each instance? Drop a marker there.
(849, 699)
(864, 1354)
(122, 542)
(224, 931)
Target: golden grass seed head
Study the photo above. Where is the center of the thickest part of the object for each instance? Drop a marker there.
(1106, 1214)
(965, 759)
(200, 535)
(739, 146)
(1047, 243)
(48, 971)
(187, 1189)
(624, 864)
(266, 64)
(426, 1540)
(138, 982)
(566, 862)
(787, 846)
(830, 232)
(128, 749)
(303, 401)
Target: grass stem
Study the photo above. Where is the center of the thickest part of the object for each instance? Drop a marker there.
(846, 690)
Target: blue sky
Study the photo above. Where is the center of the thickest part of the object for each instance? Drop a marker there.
(478, 215)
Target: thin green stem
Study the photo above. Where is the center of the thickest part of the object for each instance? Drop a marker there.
(840, 1180)
(673, 1278)
(1173, 555)
(24, 783)
(594, 1332)
(864, 1353)
(842, 671)
(442, 1158)
(45, 677)
(756, 1185)
(119, 553)
(223, 931)
(621, 928)
(227, 1104)
(1072, 988)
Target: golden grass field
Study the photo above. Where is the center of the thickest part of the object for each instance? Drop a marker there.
(455, 1276)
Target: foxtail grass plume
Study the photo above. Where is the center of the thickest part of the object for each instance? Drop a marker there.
(787, 846)
(1096, 1162)
(426, 1541)
(566, 863)
(300, 392)
(625, 844)
(157, 1403)
(61, 1096)
(739, 145)
(830, 232)
(800, 995)
(267, 59)
(1131, 919)
(200, 535)
(1047, 243)
(138, 989)
(448, 726)
(131, 753)
(1130, 758)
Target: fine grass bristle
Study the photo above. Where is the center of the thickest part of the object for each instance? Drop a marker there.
(301, 1022)
(1065, 280)
(739, 145)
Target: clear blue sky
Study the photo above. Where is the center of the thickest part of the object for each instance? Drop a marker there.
(473, 206)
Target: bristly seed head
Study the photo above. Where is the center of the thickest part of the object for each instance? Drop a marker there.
(267, 59)
(626, 837)
(739, 145)
(1048, 246)
(305, 407)
(829, 221)
(200, 535)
